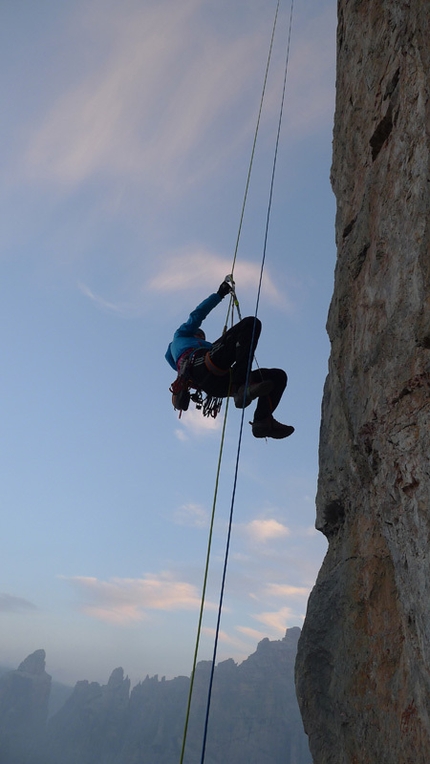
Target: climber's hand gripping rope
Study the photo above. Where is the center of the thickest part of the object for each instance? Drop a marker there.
(230, 281)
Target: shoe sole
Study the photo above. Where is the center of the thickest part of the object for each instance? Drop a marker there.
(273, 434)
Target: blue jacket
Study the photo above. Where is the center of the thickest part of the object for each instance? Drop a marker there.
(183, 338)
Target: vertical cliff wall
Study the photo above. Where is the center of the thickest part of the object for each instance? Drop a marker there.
(362, 672)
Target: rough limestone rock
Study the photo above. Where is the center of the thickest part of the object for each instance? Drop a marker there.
(362, 671)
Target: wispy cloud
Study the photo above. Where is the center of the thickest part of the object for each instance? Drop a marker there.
(12, 604)
(253, 634)
(192, 515)
(284, 591)
(265, 530)
(189, 271)
(277, 621)
(169, 97)
(226, 639)
(194, 424)
(125, 600)
(111, 307)
(202, 269)
(153, 101)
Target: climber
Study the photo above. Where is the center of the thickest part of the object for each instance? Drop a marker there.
(220, 368)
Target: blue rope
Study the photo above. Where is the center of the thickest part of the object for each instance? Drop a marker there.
(236, 471)
(232, 304)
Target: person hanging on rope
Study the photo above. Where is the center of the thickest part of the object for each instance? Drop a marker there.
(220, 368)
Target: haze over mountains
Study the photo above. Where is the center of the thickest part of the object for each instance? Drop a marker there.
(254, 716)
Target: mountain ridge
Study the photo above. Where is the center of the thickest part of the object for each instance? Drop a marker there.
(254, 716)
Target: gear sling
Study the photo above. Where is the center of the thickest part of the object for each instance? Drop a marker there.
(181, 387)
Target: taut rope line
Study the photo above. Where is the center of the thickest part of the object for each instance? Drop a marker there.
(230, 525)
(234, 303)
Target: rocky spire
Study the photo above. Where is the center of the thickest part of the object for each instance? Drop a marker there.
(362, 672)
(34, 664)
(24, 696)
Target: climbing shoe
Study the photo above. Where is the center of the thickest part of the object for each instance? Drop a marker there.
(270, 428)
(254, 390)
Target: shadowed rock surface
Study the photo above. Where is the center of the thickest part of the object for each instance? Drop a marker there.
(363, 663)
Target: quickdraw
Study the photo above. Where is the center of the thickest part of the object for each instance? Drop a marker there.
(209, 406)
(181, 395)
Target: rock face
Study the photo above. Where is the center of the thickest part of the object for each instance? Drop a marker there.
(24, 696)
(363, 665)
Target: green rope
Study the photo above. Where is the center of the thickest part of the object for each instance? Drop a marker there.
(251, 162)
(233, 496)
(269, 58)
(233, 303)
(205, 581)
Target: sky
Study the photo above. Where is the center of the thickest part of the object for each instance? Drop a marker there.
(124, 153)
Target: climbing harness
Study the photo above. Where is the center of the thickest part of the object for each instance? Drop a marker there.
(213, 368)
(234, 303)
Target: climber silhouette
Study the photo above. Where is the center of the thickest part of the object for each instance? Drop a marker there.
(220, 368)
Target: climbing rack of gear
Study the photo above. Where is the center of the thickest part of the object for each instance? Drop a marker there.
(234, 304)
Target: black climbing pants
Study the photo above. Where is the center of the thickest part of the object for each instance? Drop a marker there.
(222, 370)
